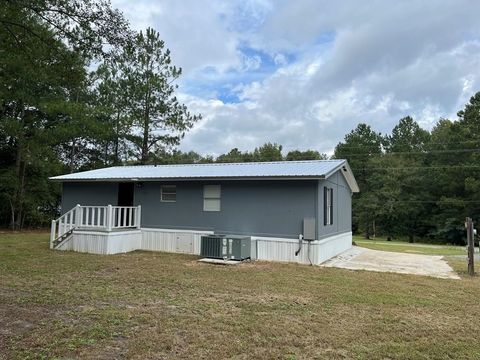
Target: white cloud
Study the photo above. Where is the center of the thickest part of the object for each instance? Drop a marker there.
(280, 59)
(304, 73)
(195, 31)
(250, 63)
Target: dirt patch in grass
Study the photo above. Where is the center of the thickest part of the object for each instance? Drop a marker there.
(147, 305)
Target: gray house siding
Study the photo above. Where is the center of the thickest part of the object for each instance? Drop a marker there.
(261, 208)
(88, 193)
(342, 206)
(271, 208)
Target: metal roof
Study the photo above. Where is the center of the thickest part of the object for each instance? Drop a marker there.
(316, 169)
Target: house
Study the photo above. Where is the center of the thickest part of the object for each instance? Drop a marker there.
(296, 211)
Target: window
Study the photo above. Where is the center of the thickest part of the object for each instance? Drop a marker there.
(327, 206)
(211, 198)
(168, 193)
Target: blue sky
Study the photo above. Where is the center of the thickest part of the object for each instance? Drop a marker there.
(304, 73)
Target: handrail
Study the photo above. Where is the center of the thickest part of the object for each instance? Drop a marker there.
(106, 218)
(92, 216)
(62, 225)
(125, 217)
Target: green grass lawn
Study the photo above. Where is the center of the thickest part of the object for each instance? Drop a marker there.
(405, 247)
(167, 306)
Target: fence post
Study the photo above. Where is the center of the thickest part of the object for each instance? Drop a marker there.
(470, 248)
(109, 218)
(52, 233)
(138, 217)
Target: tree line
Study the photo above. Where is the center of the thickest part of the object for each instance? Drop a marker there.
(266, 152)
(80, 90)
(416, 183)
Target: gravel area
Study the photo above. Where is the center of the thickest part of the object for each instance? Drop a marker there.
(358, 258)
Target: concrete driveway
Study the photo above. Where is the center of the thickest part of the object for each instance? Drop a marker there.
(358, 258)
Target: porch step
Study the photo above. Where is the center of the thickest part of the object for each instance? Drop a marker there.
(61, 239)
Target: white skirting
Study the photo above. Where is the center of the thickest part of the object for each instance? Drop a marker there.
(188, 242)
(106, 243)
(177, 241)
(314, 252)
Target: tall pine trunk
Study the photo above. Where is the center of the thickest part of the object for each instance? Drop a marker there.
(20, 191)
(72, 156)
(144, 158)
(146, 126)
(17, 202)
(116, 159)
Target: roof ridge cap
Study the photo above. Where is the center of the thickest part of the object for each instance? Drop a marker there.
(227, 163)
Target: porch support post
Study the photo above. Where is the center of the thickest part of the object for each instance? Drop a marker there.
(109, 218)
(138, 218)
(78, 216)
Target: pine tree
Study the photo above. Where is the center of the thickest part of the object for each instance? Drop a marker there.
(153, 106)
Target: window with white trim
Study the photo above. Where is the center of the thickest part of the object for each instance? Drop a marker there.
(168, 193)
(327, 206)
(211, 197)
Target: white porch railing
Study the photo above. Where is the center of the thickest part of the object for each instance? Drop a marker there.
(106, 218)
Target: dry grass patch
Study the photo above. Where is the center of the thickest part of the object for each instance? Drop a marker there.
(168, 306)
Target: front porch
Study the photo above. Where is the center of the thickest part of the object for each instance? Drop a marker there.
(104, 221)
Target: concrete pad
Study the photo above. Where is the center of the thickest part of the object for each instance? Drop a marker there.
(220, 261)
(358, 258)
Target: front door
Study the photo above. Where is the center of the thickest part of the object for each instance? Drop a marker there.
(125, 194)
(123, 217)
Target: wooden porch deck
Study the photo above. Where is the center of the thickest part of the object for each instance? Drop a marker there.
(94, 218)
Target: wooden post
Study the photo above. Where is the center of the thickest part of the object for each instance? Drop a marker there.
(109, 218)
(78, 216)
(470, 248)
(138, 217)
(52, 233)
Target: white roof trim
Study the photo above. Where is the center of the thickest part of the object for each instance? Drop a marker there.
(351, 181)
